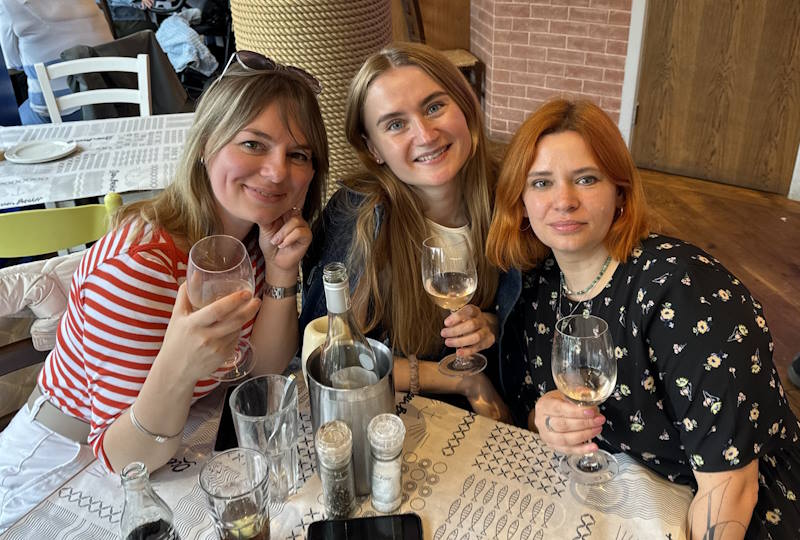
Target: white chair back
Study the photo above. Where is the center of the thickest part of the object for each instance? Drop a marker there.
(55, 105)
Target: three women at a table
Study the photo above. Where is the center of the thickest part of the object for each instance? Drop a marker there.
(254, 167)
(698, 399)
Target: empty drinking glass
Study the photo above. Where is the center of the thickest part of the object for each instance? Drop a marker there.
(262, 424)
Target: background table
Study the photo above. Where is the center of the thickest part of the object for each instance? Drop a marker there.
(467, 476)
(118, 154)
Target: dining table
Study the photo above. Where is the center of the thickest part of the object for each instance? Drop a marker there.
(465, 475)
(115, 154)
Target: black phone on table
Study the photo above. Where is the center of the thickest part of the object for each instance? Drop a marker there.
(226, 434)
(394, 527)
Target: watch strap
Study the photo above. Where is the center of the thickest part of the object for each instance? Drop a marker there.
(280, 292)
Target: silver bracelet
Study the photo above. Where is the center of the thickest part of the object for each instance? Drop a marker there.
(158, 438)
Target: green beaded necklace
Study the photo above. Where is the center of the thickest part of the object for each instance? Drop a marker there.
(591, 285)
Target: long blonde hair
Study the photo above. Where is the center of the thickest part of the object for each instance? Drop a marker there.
(187, 207)
(389, 292)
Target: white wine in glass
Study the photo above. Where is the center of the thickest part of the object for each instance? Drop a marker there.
(219, 266)
(585, 371)
(450, 279)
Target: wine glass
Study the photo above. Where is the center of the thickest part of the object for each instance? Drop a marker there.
(450, 278)
(585, 371)
(218, 266)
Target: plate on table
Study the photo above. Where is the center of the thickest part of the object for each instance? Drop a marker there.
(39, 151)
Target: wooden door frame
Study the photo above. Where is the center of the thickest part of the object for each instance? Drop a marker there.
(630, 87)
(630, 81)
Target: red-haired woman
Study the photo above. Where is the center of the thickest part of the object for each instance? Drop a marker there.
(698, 399)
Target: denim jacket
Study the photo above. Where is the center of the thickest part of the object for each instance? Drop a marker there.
(333, 235)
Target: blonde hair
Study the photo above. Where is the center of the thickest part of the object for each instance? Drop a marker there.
(187, 207)
(507, 246)
(389, 292)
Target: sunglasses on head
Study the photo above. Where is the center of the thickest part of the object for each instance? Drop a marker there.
(257, 62)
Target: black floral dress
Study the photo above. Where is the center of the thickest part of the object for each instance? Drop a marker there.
(696, 387)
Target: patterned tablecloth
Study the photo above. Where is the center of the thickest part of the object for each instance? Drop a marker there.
(467, 476)
(113, 154)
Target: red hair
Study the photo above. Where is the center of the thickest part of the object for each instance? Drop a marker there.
(507, 245)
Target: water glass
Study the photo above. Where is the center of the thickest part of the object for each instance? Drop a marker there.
(236, 485)
(262, 424)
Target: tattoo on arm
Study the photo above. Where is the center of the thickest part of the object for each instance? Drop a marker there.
(713, 528)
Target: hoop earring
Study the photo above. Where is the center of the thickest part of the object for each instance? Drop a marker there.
(621, 211)
(526, 227)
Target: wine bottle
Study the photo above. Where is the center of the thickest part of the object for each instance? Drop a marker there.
(145, 515)
(347, 359)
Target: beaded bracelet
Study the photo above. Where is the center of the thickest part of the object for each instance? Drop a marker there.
(158, 438)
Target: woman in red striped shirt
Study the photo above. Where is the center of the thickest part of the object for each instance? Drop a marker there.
(254, 167)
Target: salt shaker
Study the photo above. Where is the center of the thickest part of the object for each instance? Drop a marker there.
(334, 444)
(386, 433)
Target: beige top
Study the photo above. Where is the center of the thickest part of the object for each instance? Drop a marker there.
(449, 232)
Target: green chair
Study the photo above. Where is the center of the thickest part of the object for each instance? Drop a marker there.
(36, 232)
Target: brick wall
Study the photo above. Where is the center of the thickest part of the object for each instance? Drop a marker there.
(535, 50)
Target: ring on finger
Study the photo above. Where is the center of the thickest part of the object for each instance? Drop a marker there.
(547, 424)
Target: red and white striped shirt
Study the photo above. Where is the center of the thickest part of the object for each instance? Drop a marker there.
(120, 303)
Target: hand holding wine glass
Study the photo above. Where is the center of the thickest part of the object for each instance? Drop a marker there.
(219, 266)
(450, 278)
(585, 371)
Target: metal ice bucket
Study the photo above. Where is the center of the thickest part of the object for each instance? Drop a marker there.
(356, 407)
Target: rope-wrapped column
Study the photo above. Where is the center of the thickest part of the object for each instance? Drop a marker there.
(329, 38)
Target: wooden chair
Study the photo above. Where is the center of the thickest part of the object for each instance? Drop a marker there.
(470, 65)
(55, 105)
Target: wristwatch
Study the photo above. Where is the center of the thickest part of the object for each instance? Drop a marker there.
(280, 292)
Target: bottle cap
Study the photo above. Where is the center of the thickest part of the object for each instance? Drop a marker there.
(334, 443)
(337, 287)
(386, 433)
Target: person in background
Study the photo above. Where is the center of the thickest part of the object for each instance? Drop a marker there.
(130, 16)
(417, 129)
(697, 398)
(254, 167)
(33, 31)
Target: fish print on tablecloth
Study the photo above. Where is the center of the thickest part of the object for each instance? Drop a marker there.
(478, 488)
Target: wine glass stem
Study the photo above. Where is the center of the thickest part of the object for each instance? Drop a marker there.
(460, 362)
(589, 463)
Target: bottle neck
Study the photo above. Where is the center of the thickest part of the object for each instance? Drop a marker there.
(135, 476)
(337, 297)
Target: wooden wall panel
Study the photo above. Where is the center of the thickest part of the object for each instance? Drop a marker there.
(719, 93)
(446, 23)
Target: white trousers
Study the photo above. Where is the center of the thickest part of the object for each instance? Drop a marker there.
(34, 462)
